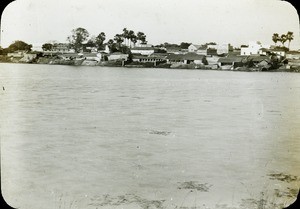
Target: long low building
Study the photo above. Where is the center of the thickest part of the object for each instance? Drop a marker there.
(187, 58)
(143, 50)
(117, 56)
(151, 58)
(230, 62)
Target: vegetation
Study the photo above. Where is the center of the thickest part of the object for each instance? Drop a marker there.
(99, 41)
(185, 45)
(78, 37)
(47, 47)
(79, 40)
(19, 45)
(289, 36)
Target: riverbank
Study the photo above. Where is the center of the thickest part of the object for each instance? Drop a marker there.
(127, 64)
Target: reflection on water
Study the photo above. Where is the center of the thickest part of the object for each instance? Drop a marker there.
(96, 137)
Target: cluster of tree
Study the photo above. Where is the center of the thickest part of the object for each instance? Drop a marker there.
(289, 36)
(128, 38)
(16, 46)
(182, 45)
(79, 40)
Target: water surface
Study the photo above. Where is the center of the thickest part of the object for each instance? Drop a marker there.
(97, 137)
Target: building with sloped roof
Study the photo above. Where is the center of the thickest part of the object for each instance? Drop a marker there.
(253, 48)
(173, 49)
(292, 55)
(199, 49)
(143, 50)
(71, 56)
(156, 57)
(117, 56)
(231, 62)
(187, 58)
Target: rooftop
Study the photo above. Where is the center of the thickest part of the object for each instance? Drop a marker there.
(231, 59)
(187, 56)
(142, 48)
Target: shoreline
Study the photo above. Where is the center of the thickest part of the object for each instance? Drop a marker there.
(148, 66)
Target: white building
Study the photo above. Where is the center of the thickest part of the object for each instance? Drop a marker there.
(117, 56)
(253, 48)
(199, 49)
(37, 47)
(223, 48)
(143, 50)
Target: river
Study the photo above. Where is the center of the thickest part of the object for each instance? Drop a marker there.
(99, 137)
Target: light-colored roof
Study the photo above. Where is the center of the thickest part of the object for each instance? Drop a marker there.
(293, 52)
(90, 54)
(70, 55)
(231, 59)
(258, 58)
(118, 53)
(187, 56)
(143, 48)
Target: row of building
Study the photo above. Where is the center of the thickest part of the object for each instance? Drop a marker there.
(213, 56)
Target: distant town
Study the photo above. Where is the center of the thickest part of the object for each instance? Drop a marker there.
(130, 49)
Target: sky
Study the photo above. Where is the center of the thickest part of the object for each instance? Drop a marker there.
(173, 21)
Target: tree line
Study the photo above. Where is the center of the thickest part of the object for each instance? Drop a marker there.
(289, 36)
(80, 39)
(15, 46)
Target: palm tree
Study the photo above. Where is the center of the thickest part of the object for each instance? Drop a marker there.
(289, 37)
(111, 45)
(119, 39)
(99, 41)
(141, 37)
(275, 38)
(283, 39)
(131, 37)
(125, 35)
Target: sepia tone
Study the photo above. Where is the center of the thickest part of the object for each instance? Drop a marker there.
(160, 104)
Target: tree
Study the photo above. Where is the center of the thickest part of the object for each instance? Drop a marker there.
(283, 39)
(19, 45)
(100, 41)
(134, 40)
(289, 37)
(211, 43)
(119, 39)
(131, 37)
(125, 35)
(47, 47)
(78, 37)
(141, 37)
(112, 46)
(275, 38)
(185, 45)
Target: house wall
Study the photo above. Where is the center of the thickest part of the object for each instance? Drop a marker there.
(223, 49)
(293, 56)
(262, 52)
(198, 62)
(175, 61)
(253, 48)
(94, 58)
(192, 48)
(281, 53)
(142, 52)
(202, 51)
(117, 57)
(249, 50)
(212, 60)
(15, 54)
